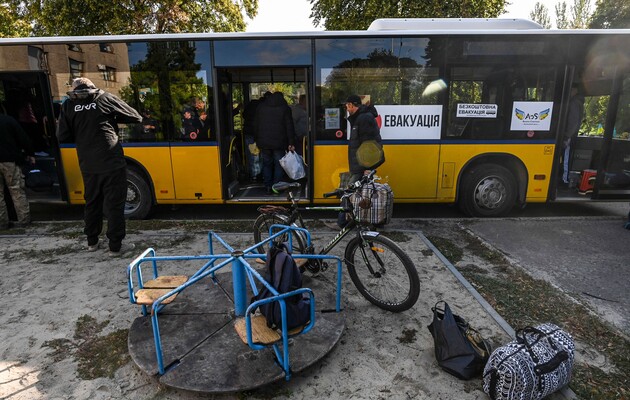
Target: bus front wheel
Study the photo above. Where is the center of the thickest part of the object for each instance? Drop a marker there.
(138, 204)
(487, 191)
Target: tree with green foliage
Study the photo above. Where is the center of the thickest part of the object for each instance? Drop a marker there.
(562, 20)
(170, 70)
(10, 24)
(97, 17)
(611, 14)
(540, 14)
(580, 14)
(359, 14)
(579, 18)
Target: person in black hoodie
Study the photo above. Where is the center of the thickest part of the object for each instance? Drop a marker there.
(90, 118)
(363, 125)
(274, 134)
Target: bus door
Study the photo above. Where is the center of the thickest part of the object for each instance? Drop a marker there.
(241, 91)
(600, 155)
(26, 97)
(229, 133)
(613, 173)
(192, 138)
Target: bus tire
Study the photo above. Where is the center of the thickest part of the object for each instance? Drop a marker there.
(139, 201)
(487, 190)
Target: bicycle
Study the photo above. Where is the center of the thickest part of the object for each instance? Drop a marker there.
(381, 271)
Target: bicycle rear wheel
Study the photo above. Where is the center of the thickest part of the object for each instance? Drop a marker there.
(261, 232)
(382, 272)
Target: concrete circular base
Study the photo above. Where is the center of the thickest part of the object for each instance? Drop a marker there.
(202, 351)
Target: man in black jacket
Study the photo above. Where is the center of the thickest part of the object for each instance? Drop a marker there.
(15, 148)
(274, 134)
(363, 127)
(90, 118)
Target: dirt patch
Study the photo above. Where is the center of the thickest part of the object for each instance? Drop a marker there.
(65, 334)
(97, 356)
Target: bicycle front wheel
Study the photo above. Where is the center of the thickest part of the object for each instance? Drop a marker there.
(382, 272)
(261, 232)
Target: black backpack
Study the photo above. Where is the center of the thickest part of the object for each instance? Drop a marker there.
(284, 275)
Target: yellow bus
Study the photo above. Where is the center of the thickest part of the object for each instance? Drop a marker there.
(471, 112)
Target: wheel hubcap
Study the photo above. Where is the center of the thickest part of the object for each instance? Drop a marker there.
(133, 196)
(490, 193)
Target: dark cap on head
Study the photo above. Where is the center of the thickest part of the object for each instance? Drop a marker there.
(354, 99)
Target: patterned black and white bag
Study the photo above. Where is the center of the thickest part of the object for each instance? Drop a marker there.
(536, 364)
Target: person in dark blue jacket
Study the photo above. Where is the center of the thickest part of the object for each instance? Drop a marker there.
(89, 118)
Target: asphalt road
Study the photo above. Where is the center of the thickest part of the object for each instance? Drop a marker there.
(587, 257)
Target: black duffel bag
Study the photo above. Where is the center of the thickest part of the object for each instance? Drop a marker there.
(459, 349)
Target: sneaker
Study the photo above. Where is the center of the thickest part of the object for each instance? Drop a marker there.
(94, 247)
(124, 248)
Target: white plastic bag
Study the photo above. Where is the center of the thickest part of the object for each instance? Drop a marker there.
(293, 165)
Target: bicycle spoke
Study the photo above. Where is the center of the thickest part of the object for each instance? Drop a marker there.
(383, 273)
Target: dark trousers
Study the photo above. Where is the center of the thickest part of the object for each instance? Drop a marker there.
(106, 192)
(272, 171)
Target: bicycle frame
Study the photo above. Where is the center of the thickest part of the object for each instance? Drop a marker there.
(294, 216)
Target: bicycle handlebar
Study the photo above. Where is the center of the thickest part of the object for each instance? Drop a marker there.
(339, 192)
(364, 179)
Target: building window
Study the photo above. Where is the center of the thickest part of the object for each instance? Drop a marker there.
(76, 68)
(74, 47)
(106, 47)
(37, 59)
(107, 73)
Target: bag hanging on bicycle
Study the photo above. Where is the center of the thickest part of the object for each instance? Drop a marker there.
(536, 364)
(373, 203)
(284, 275)
(459, 349)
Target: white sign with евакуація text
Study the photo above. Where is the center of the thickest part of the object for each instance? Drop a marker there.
(422, 122)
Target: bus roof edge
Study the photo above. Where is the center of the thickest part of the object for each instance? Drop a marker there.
(406, 24)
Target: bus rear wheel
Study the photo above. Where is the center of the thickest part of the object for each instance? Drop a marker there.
(487, 191)
(139, 203)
